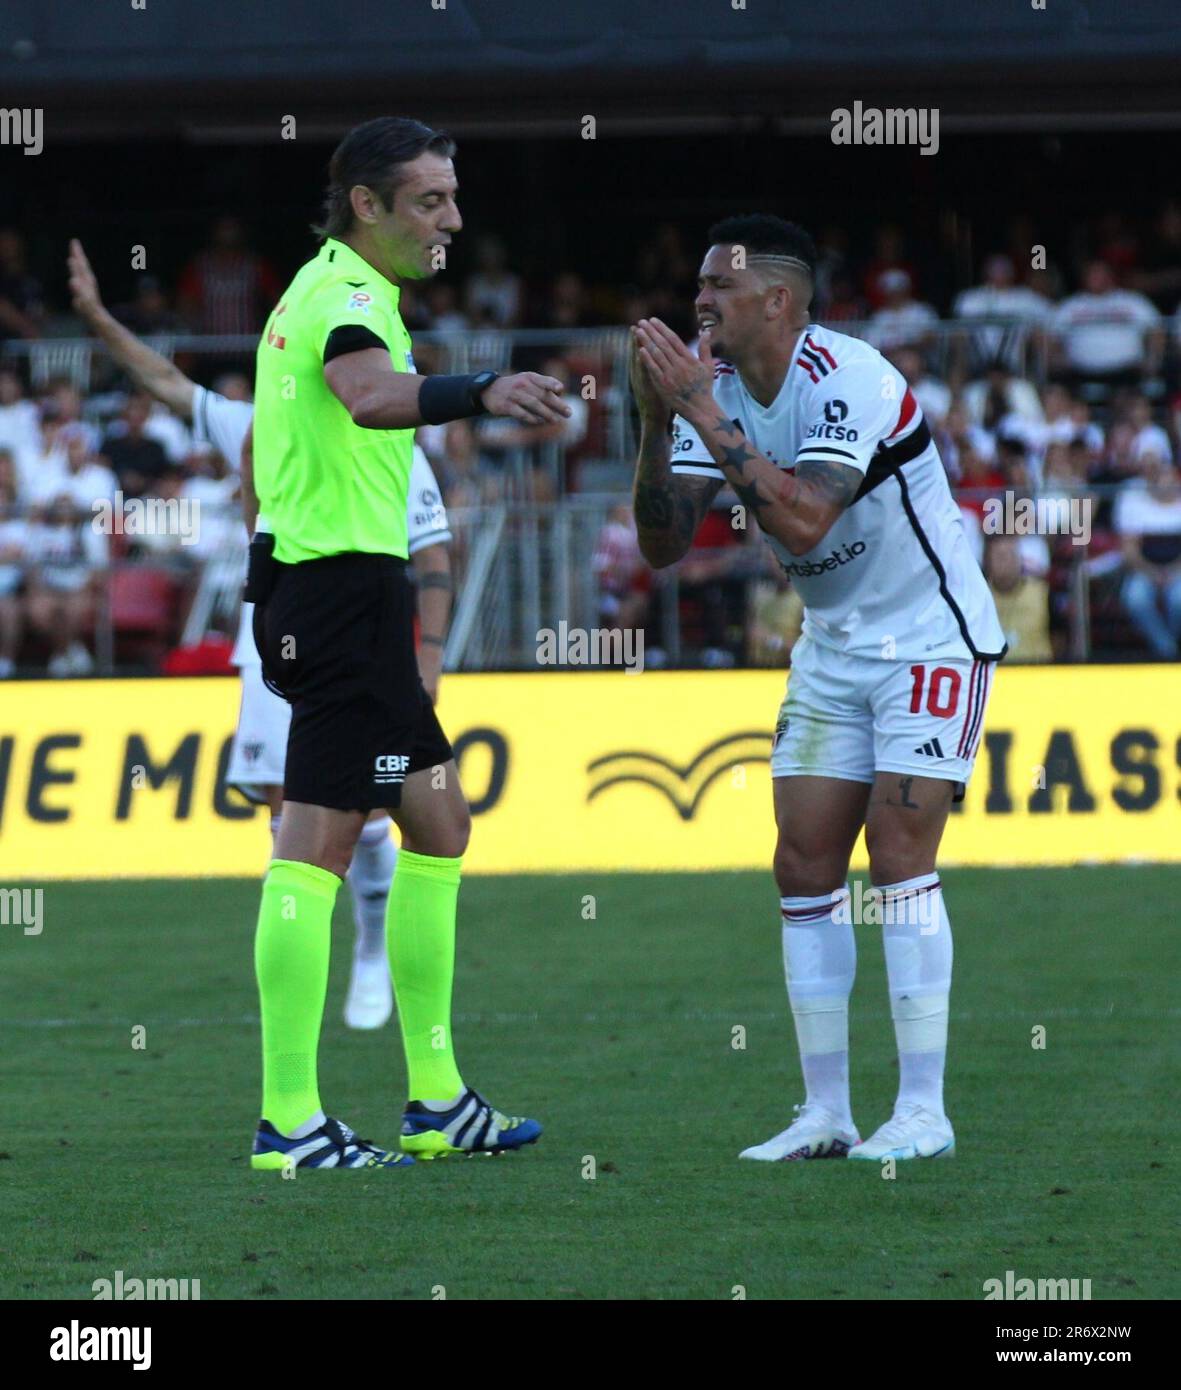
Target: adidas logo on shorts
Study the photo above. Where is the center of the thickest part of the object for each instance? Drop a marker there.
(931, 749)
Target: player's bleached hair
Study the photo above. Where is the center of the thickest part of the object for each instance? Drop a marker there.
(770, 245)
(373, 155)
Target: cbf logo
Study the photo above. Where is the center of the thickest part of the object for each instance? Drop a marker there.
(361, 300)
(834, 412)
(391, 767)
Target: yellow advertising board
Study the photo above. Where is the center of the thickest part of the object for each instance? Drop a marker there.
(588, 770)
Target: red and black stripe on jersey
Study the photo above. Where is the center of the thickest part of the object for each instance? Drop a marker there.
(815, 359)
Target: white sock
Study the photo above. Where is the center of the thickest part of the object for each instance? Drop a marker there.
(917, 939)
(369, 882)
(820, 961)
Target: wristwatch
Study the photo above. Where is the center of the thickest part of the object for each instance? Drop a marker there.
(480, 383)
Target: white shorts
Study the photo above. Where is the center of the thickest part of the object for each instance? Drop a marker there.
(259, 750)
(853, 716)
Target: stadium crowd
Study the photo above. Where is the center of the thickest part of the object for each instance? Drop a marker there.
(1037, 385)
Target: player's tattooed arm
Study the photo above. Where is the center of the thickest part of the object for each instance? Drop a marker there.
(836, 483)
(669, 507)
(797, 510)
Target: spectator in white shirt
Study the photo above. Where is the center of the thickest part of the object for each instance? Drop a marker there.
(992, 340)
(80, 476)
(1150, 437)
(933, 396)
(443, 307)
(1148, 522)
(1001, 401)
(617, 565)
(543, 447)
(1106, 335)
(902, 321)
(492, 296)
(67, 558)
(62, 404)
(20, 420)
(169, 431)
(13, 543)
(208, 490)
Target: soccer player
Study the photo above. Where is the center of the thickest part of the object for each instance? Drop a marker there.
(337, 400)
(827, 449)
(260, 740)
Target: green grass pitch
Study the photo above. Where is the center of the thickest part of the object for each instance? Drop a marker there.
(617, 1032)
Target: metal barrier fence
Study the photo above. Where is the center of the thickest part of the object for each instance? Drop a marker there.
(594, 362)
(525, 568)
(533, 512)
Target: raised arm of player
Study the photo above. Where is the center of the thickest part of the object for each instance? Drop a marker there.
(154, 373)
(668, 508)
(797, 509)
(379, 398)
(432, 577)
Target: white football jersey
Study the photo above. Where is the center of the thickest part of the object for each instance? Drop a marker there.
(223, 423)
(894, 576)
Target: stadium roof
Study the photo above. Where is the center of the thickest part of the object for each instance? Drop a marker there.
(221, 69)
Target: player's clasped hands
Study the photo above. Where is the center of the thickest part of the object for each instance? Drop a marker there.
(528, 397)
(675, 373)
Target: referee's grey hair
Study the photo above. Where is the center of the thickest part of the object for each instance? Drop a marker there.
(373, 155)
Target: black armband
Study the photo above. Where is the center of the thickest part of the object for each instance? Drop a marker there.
(434, 579)
(351, 337)
(444, 398)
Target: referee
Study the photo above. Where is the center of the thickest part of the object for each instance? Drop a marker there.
(337, 400)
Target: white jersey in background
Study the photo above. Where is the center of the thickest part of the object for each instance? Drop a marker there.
(895, 575)
(223, 423)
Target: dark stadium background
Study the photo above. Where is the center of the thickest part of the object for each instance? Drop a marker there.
(156, 119)
(564, 203)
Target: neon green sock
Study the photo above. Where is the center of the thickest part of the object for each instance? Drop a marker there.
(291, 950)
(420, 939)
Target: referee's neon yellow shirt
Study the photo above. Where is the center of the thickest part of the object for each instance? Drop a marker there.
(324, 484)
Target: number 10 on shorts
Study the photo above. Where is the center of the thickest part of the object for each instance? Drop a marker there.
(942, 688)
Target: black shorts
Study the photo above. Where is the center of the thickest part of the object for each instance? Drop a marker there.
(336, 638)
